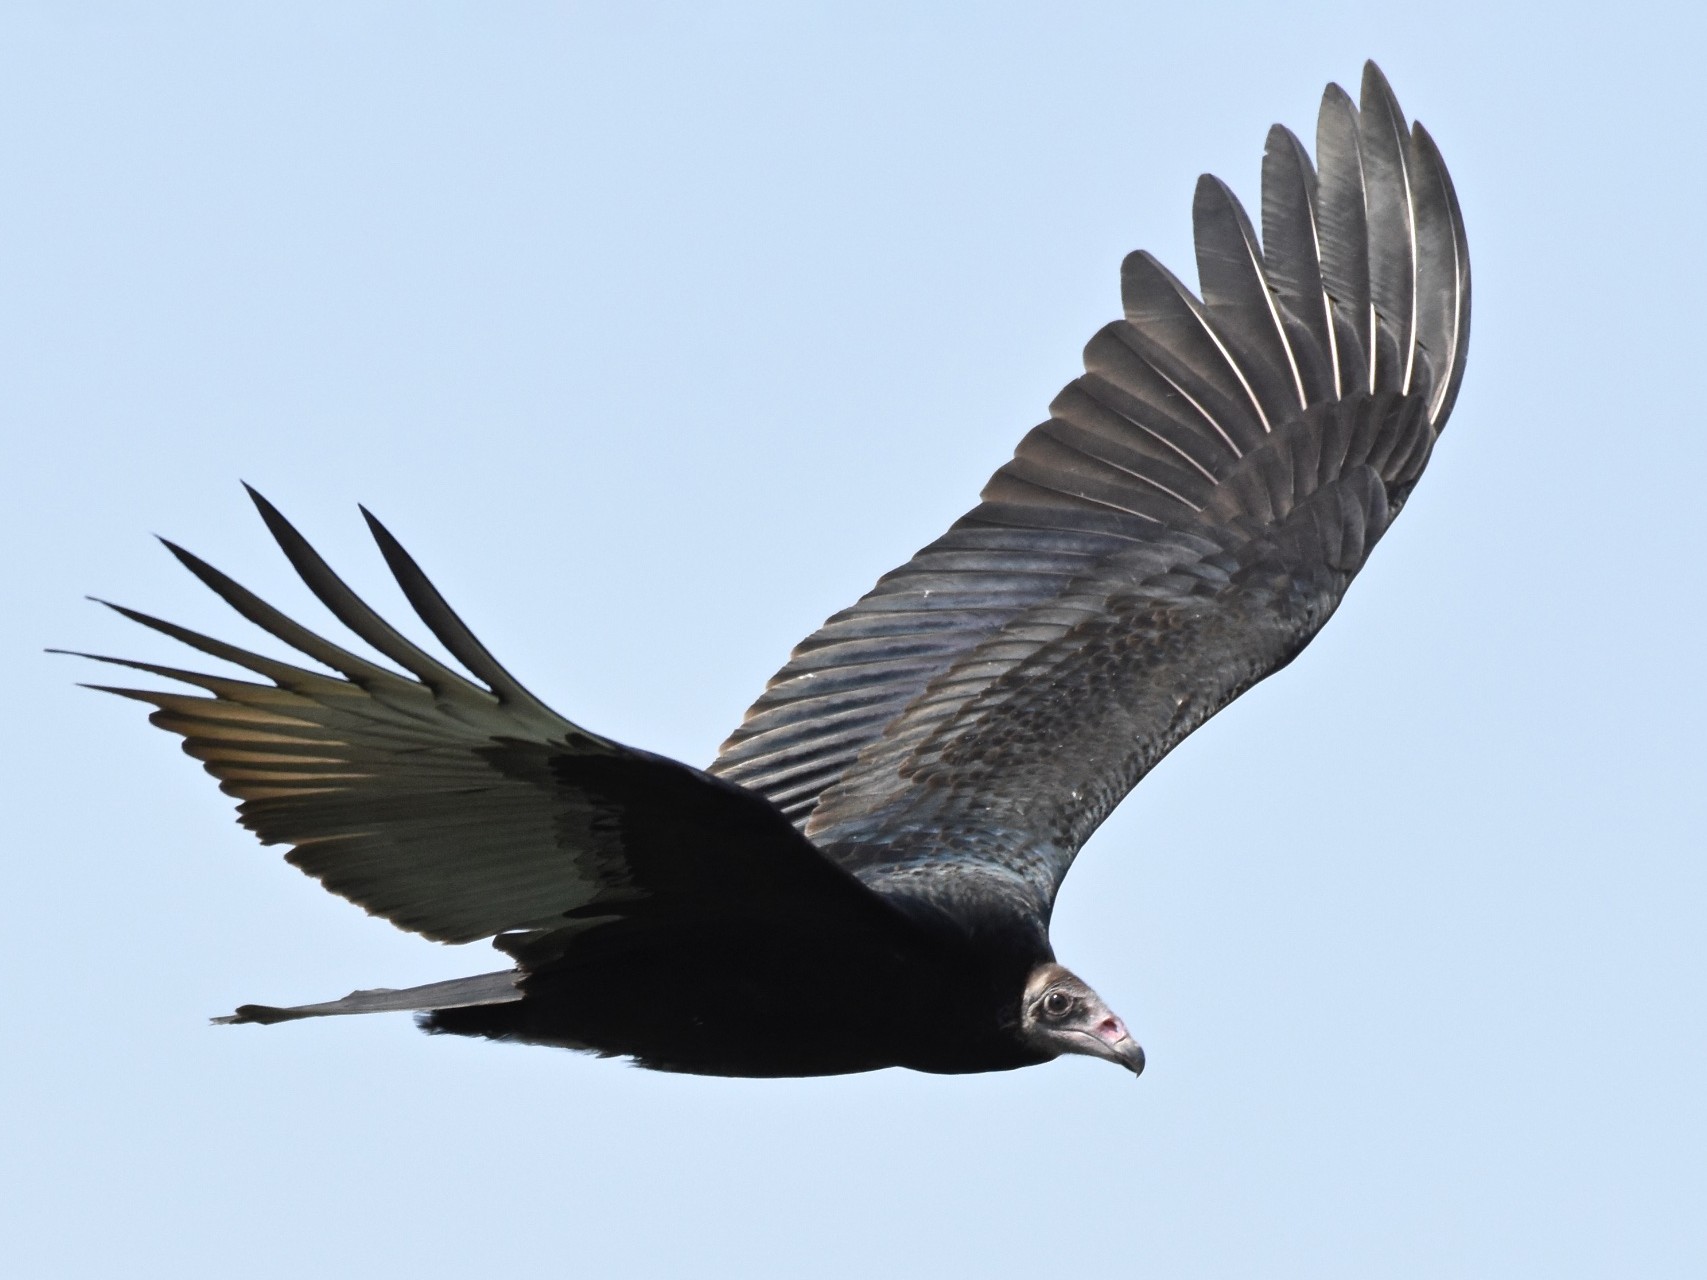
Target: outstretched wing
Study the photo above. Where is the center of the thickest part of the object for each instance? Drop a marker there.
(460, 810)
(1183, 524)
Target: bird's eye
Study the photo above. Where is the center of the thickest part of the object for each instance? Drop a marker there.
(1058, 1004)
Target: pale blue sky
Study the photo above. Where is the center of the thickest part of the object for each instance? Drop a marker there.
(656, 336)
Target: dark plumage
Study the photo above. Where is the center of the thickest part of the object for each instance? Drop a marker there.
(864, 876)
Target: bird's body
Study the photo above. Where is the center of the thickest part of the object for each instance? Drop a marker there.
(865, 875)
(711, 1000)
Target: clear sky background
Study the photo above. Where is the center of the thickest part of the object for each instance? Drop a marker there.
(657, 333)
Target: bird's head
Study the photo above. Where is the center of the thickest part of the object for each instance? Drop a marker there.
(1060, 1014)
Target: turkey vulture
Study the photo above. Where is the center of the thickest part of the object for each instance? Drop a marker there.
(864, 876)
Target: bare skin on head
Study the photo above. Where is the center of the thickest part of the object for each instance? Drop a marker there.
(1061, 1014)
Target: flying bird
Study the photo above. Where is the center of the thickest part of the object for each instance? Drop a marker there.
(864, 876)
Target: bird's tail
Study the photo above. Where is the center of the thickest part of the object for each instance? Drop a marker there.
(458, 993)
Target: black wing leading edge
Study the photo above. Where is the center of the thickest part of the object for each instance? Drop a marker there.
(1181, 526)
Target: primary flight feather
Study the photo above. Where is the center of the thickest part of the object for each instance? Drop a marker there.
(864, 876)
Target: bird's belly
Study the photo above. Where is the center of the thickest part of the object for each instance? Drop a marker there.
(747, 1003)
(709, 1003)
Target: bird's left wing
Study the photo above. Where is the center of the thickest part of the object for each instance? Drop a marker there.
(461, 808)
(1181, 527)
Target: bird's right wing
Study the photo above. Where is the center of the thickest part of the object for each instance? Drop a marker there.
(1180, 527)
(462, 810)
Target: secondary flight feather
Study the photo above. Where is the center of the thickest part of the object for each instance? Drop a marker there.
(864, 876)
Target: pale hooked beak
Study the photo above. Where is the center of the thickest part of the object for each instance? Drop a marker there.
(1114, 1042)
